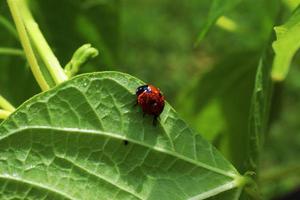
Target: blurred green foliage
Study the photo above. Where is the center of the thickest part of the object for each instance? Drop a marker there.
(210, 85)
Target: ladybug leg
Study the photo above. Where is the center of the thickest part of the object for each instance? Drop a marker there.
(144, 114)
(136, 103)
(125, 142)
(154, 122)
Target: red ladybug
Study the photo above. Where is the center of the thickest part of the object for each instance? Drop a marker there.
(151, 100)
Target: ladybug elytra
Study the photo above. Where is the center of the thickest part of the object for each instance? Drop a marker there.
(151, 101)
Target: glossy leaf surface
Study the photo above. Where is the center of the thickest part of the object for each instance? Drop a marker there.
(68, 143)
(286, 45)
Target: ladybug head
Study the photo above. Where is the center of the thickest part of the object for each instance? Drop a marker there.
(142, 89)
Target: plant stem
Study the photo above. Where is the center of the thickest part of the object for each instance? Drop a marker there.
(11, 51)
(6, 24)
(6, 105)
(44, 65)
(41, 45)
(4, 114)
(14, 8)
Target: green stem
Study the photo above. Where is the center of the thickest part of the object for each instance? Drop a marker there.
(11, 51)
(6, 24)
(6, 105)
(4, 114)
(15, 11)
(41, 44)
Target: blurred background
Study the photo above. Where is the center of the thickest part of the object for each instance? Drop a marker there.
(209, 84)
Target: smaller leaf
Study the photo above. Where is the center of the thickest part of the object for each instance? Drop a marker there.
(217, 9)
(80, 57)
(259, 112)
(286, 45)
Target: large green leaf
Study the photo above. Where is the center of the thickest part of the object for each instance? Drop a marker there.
(286, 45)
(67, 143)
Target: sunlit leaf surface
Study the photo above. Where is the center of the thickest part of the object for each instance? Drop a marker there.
(286, 45)
(68, 143)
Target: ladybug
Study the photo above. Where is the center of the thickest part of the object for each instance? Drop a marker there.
(151, 101)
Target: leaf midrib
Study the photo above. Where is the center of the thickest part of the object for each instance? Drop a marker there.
(120, 137)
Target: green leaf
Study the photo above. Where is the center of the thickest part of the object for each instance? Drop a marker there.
(286, 45)
(291, 4)
(259, 111)
(68, 143)
(217, 9)
(79, 58)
